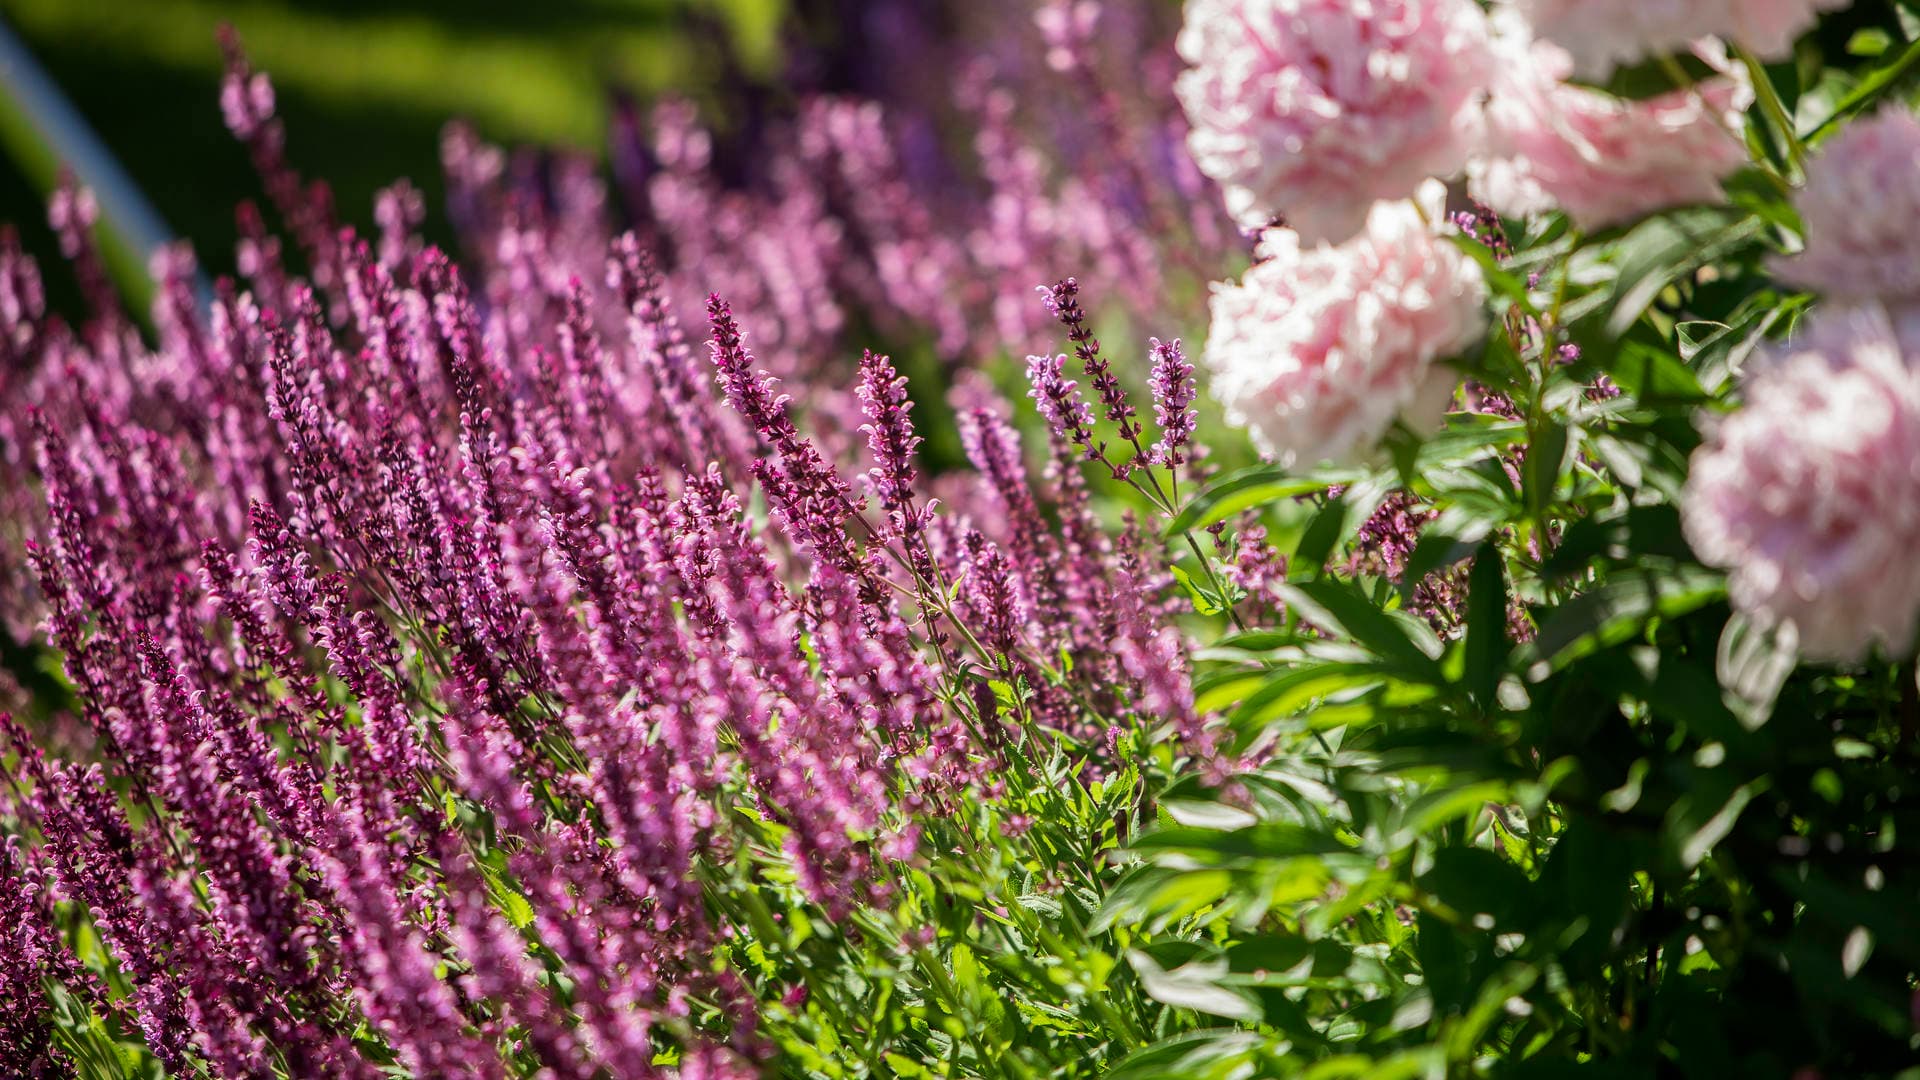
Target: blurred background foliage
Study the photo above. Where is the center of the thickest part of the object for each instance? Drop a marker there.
(365, 87)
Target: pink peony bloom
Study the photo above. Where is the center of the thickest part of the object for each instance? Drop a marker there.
(1809, 495)
(1318, 350)
(1313, 109)
(1862, 193)
(1604, 160)
(1601, 34)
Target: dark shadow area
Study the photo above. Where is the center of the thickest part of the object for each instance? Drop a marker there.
(179, 152)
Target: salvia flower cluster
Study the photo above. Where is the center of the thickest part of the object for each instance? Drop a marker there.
(396, 589)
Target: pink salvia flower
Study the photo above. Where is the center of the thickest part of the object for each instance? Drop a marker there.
(891, 442)
(991, 599)
(1060, 403)
(814, 502)
(72, 213)
(1173, 394)
(1063, 299)
(247, 103)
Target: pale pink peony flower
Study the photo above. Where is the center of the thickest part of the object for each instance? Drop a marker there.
(1312, 109)
(1318, 350)
(1809, 494)
(1861, 198)
(1604, 160)
(1602, 34)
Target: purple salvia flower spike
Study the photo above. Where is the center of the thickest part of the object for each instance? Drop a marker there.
(1063, 299)
(1173, 396)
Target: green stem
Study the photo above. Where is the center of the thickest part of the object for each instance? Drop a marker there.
(1775, 109)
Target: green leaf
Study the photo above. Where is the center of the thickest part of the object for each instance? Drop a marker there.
(1474, 881)
(1776, 108)
(1158, 895)
(904, 1066)
(1486, 644)
(1447, 805)
(1213, 693)
(1448, 539)
(1869, 90)
(1194, 986)
(1503, 282)
(1250, 488)
(966, 976)
(1546, 458)
(1268, 840)
(1644, 458)
(508, 899)
(1467, 438)
(1661, 249)
(1752, 665)
(1653, 374)
(1703, 817)
(1869, 41)
(1643, 531)
(1618, 611)
(1293, 689)
(1339, 607)
(1216, 1054)
(1204, 600)
(1339, 519)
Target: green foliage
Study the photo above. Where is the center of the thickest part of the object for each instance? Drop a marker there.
(365, 88)
(1643, 842)
(1606, 828)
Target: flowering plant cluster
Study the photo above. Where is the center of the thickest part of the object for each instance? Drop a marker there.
(674, 637)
